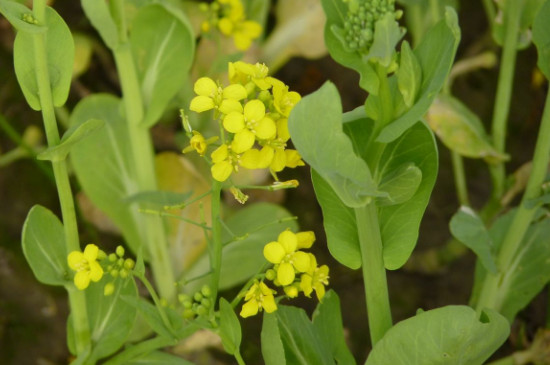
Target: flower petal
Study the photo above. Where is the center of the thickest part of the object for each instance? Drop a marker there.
(75, 260)
(250, 308)
(235, 92)
(229, 105)
(254, 110)
(274, 252)
(279, 161)
(225, 26)
(305, 284)
(305, 239)
(301, 261)
(96, 271)
(200, 104)
(243, 141)
(288, 240)
(205, 86)
(82, 279)
(282, 129)
(269, 304)
(293, 159)
(285, 274)
(266, 128)
(219, 154)
(90, 252)
(221, 170)
(233, 122)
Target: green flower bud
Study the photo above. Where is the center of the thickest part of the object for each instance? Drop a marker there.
(201, 310)
(108, 289)
(188, 314)
(206, 291)
(129, 264)
(114, 273)
(120, 251)
(270, 274)
(112, 257)
(205, 302)
(197, 296)
(123, 273)
(120, 262)
(101, 255)
(187, 304)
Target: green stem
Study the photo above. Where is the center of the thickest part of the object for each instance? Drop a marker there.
(156, 300)
(434, 8)
(140, 349)
(142, 153)
(490, 11)
(504, 94)
(495, 286)
(460, 179)
(77, 299)
(374, 273)
(216, 241)
(238, 357)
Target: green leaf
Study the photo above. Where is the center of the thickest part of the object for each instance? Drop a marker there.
(336, 11)
(347, 174)
(150, 313)
(541, 38)
(339, 223)
(163, 46)
(230, 328)
(103, 164)
(327, 321)
(461, 130)
(401, 184)
(528, 11)
(273, 351)
(59, 58)
(111, 318)
(158, 358)
(157, 199)
(386, 36)
(409, 75)
(468, 228)
(400, 223)
(435, 54)
(253, 226)
(100, 16)
(302, 344)
(451, 335)
(43, 242)
(15, 12)
(72, 136)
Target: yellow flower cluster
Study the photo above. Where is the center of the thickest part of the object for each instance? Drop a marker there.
(86, 266)
(230, 19)
(294, 270)
(253, 111)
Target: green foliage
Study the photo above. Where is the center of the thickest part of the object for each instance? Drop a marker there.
(401, 184)
(467, 227)
(59, 59)
(157, 199)
(100, 16)
(151, 315)
(15, 13)
(158, 358)
(230, 328)
(541, 38)
(409, 75)
(253, 227)
(461, 130)
(163, 47)
(43, 242)
(452, 335)
(346, 173)
(72, 136)
(273, 351)
(386, 36)
(441, 40)
(529, 9)
(103, 164)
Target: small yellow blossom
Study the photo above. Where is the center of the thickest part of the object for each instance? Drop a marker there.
(305, 239)
(244, 73)
(210, 96)
(283, 99)
(283, 253)
(315, 278)
(257, 159)
(199, 144)
(234, 24)
(223, 160)
(258, 297)
(86, 266)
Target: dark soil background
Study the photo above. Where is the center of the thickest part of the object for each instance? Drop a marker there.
(33, 316)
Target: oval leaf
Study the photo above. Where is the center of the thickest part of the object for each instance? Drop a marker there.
(401, 184)
(44, 248)
(59, 57)
(409, 75)
(100, 16)
(163, 46)
(347, 174)
(230, 328)
(452, 335)
(15, 12)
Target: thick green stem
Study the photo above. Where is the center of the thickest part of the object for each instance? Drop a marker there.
(76, 298)
(495, 286)
(216, 241)
(504, 94)
(460, 179)
(143, 154)
(374, 273)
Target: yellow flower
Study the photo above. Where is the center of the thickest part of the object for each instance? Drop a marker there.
(224, 163)
(305, 239)
(86, 266)
(257, 159)
(258, 297)
(199, 144)
(283, 99)
(235, 24)
(210, 96)
(314, 279)
(243, 73)
(288, 261)
(252, 123)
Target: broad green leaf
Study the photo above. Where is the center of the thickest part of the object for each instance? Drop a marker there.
(157, 199)
(111, 318)
(468, 228)
(72, 136)
(150, 314)
(163, 45)
(15, 12)
(100, 16)
(230, 328)
(386, 36)
(273, 351)
(541, 38)
(103, 164)
(528, 12)
(339, 223)
(452, 335)
(336, 11)
(400, 223)
(401, 184)
(435, 54)
(461, 130)
(59, 58)
(43, 242)
(347, 174)
(253, 226)
(302, 344)
(159, 358)
(327, 321)
(409, 75)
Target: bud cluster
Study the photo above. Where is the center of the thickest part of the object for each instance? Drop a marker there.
(196, 305)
